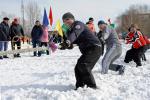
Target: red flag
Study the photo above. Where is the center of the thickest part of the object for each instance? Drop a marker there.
(51, 16)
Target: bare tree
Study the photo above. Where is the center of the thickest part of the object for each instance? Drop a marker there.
(4, 14)
(33, 13)
(137, 14)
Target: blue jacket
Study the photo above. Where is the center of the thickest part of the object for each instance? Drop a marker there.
(36, 33)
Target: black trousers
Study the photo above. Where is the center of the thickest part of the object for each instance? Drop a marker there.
(35, 44)
(16, 42)
(43, 44)
(85, 65)
(145, 48)
(135, 55)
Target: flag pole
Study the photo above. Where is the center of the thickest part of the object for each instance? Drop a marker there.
(22, 11)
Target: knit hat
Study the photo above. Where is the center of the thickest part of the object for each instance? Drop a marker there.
(67, 16)
(101, 22)
(91, 19)
(5, 18)
(37, 21)
(15, 19)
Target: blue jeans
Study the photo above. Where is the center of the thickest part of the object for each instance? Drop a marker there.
(3, 45)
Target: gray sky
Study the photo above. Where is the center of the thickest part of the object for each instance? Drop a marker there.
(82, 9)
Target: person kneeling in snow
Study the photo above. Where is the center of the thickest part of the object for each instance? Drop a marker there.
(89, 46)
(135, 38)
(113, 51)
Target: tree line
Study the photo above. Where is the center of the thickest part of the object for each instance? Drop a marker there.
(136, 14)
(32, 13)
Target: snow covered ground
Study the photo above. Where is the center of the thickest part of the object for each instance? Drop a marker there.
(52, 78)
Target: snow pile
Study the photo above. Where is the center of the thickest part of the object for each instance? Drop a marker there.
(52, 78)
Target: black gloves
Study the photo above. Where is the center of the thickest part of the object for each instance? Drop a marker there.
(63, 46)
(66, 45)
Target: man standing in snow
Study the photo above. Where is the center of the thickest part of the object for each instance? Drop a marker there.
(89, 46)
(36, 34)
(16, 32)
(4, 36)
(113, 50)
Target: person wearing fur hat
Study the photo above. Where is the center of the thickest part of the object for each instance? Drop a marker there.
(16, 32)
(89, 46)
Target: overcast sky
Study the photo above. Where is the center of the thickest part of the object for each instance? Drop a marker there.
(82, 9)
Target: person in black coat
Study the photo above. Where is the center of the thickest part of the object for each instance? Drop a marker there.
(36, 34)
(101, 39)
(16, 34)
(4, 36)
(89, 46)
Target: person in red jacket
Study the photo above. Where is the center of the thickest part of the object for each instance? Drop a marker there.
(90, 25)
(137, 40)
(145, 47)
(147, 41)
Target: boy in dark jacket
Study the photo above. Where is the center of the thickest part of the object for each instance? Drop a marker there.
(4, 36)
(36, 34)
(89, 46)
(101, 39)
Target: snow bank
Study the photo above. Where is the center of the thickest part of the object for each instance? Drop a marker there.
(52, 78)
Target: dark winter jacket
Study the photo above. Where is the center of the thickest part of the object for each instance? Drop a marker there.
(80, 34)
(101, 39)
(36, 33)
(16, 30)
(4, 32)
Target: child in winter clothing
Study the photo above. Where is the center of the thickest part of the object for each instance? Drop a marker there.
(135, 37)
(44, 39)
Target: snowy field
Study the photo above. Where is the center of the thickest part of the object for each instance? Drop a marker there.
(52, 78)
